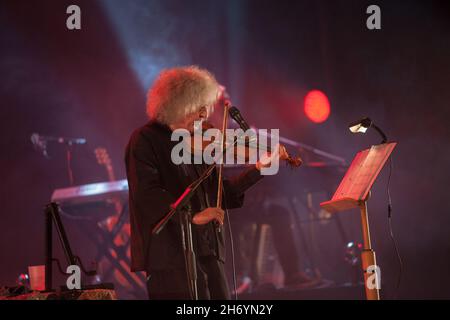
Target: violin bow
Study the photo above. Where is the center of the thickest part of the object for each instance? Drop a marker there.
(222, 147)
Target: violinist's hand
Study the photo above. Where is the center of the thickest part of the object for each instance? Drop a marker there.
(265, 161)
(209, 214)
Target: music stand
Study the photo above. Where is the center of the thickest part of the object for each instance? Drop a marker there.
(353, 192)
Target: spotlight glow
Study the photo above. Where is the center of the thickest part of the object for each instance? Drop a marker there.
(317, 106)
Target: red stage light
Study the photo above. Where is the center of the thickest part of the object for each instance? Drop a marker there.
(317, 106)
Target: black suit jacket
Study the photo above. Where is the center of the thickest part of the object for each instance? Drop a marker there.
(155, 182)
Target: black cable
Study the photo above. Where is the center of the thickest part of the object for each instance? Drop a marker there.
(233, 263)
(391, 233)
(230, 233)
(60, 269)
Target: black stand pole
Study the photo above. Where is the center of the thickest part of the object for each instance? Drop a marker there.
(52, 216)
(182, 205)
(48, 248)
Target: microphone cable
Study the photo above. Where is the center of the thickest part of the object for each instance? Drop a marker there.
(391, 232)
(230, 234)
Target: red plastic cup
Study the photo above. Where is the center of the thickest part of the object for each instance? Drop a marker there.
(37, 277)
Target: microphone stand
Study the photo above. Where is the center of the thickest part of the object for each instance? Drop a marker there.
(69, 163)
(182, 205)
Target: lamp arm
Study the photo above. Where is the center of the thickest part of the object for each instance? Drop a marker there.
(380, 132)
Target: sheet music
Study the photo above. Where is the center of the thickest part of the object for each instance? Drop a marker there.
(363, 171)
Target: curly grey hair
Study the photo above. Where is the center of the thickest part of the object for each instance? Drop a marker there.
(180, 91)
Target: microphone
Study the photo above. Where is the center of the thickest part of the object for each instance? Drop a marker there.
(39, 139)
(235, 114)
(40, 142)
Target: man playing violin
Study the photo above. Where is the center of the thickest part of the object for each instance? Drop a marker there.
(178, 98)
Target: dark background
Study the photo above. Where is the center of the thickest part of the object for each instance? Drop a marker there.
(92, 83)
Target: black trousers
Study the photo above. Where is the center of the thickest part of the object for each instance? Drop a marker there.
(171, 284)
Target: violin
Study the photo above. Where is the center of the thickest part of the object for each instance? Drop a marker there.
(240, 150)
(283, 155)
